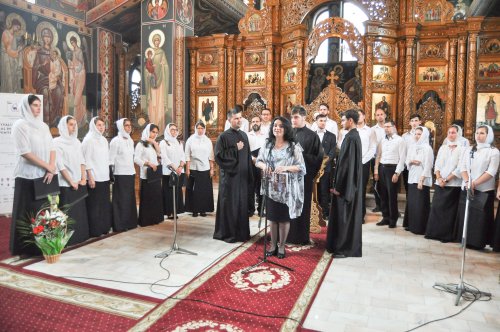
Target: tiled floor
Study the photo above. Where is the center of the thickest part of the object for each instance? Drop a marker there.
(388, 289)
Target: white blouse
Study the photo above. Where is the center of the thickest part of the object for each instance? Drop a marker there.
(37, 141)
(425, 155)
(69, 157)
(145, 154)
(121, 156)
(171, 153)
(447, 162)
(199, 151)
(96, 154)
(484, 160)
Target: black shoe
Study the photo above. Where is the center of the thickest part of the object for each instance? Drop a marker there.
(382, 223)
(195, 214)
(270, 253)
(392, 226)
(282, 255)
(376, 209)
(203, 214)
(339, 256)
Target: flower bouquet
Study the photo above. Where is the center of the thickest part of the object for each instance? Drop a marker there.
(48, 229)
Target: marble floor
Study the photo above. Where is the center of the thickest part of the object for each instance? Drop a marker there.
(388, 289)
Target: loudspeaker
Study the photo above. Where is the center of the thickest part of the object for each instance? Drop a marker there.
(93, 91)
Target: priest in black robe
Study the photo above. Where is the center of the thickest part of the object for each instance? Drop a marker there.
(232, 154)
(313, 157)
(346, 215)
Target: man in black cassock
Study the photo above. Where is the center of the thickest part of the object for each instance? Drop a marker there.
(313, 157)
(232, 154)
(346, 215)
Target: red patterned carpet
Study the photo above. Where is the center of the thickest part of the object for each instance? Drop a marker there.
(224, 299)
(4, 238)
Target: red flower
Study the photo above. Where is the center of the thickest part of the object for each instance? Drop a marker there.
(32, 220)
(38, 230)
(54, 224)
(42, 213)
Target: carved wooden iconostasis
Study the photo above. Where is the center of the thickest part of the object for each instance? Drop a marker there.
(416, 56)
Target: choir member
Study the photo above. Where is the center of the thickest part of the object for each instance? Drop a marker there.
(329, 144)
(245, 126)
(146, 156)
(441, 224)
(282, 163)
(495, 241)
(199, 172)
(121, 160)
(380, 117)
(256, 139)
(346, 217)
(391, 156)
(36, 158)
(232, 154)
(342, 131)
(172, 158)
(266, 118)
(461, 140)
(96, 153)
(369, 147)
(71, 165)
(479, 166)
(313, 157)
(419, 161)
(331, 125)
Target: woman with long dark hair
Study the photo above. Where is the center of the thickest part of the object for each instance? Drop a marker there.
(479, 166)
(146, 156)
(121, 161)
(96, 152)
(172, 158)
(199, 172)
(36, 158)
(71, 164)
(283, 166)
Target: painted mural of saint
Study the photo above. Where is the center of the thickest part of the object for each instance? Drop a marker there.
(157, 9)
(490, 112)
(157, 94)
(77, 72)
(11, 56)
(185, 10)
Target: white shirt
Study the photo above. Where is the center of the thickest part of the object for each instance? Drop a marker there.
(244, 125)
(121, 155)
(409, 138)
(368, 143)
(171, 153)
(69, 157)
(461, 141)
(331, 126)
(425, 155)
(380, 132)
(145, 154)
(341, 136)
(199, 152)
(392, 150)
(264, 128)
(256, 139)
(447, 162)
(96, 153)
(321, 134)
(29, 139)
(485, 160)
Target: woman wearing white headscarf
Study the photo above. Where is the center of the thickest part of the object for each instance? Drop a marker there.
(121, 161)
(36, 158)
(71, 164)
(172, 157)
(479, 166)
(199, 170)
(146, 155)
(96, 153)
(442, 218)
(419, 161)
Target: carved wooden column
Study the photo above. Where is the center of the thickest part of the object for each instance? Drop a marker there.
(269, 75)
(239, 74)
(230, 78)
(470, 95)
(368, 75)
(275, 110)
(460, 85)
(300, 72)
(450, 100)
(192, 90)
(221, 54)
(401, 83)
(409, 81)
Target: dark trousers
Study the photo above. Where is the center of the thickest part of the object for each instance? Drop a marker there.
(375, 193)
(364, 183)
(324, 193)
(404, 178)
(388, 194)
(254, 195)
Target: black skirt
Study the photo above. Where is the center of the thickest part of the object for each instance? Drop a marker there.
(124, 204)
(277, 212)
(77, 210)
(480, 221)
(99, 209)
(443, 216)
(151, 203)
(199, 192)
(25, 206)
(418, 208)
(495, 241)
(168, 196)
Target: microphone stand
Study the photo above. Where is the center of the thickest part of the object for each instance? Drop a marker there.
(265, 181)
(174, 181)
(460, 289)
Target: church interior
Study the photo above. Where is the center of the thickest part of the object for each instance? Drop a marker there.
(184, 61)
